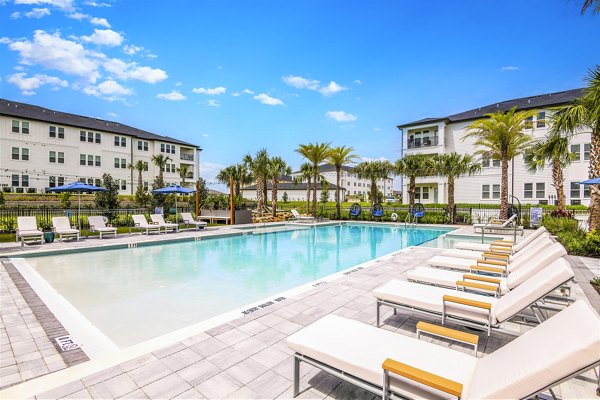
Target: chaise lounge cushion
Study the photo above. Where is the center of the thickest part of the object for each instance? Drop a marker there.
(442, 277)
(360, 350)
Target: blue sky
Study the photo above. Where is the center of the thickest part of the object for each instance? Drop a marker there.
(236, 76)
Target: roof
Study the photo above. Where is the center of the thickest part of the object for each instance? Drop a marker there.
(294, 186)
(523, 103)
(330, 168)
(29, 111)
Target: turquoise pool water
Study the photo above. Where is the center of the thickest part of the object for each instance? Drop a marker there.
(136, 294)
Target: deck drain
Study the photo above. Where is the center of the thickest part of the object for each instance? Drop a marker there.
(66, 343)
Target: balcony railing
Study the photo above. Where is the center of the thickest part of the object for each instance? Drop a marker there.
(422, 142)
(188, 157)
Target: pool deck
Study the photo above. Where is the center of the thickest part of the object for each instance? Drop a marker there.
(245, 358)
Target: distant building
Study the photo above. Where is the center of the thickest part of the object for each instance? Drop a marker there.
(445, 135)
(295, 191)
(42, 148)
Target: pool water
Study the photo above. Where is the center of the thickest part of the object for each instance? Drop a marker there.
(132, 295)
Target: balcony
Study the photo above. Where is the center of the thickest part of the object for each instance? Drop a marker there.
(418, 143)
(187, 157)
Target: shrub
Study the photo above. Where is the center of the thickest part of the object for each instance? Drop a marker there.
(575, 240)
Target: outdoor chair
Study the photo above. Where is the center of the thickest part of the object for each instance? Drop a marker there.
(27, 229)
(498, 226)
(98, 224)
(471, 309)
(141, 223)
(496, 285)
(158, 219)
(504, 245)
(383, 362)
(498, 251)
(377, 211)
(355, 210)
(61, 226)
(301, 218)
(189, 221)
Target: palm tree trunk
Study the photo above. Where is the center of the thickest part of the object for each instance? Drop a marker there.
(373, 191)
(314, 205)
(338, 210)
(594, 172)
(411, 191)
(265, 193)
(140, 181)
(238, 189)
(558, 181)
(307, 194)
(259, 196)
(451, 199)
(274, 198)
(504, 190)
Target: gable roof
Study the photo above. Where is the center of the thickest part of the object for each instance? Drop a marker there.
(29, 111)
(523, 103)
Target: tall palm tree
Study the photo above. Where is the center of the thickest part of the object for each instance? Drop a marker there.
(140, 166)
(306, 173)
(501, 136)
(338, 157)
(315, 153)
(553, 149)
(594, 4)
(276, 168)
(239, 173)
(160, 160)
(183, 171)
(414, 166)
(454, 166)
(257, 166)
(374, 170)
(584, 113)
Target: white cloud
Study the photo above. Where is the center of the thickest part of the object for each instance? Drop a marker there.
(65, 5)
(172, 96)
(29, 85)
(131, 49)
(210, 92)
(369, 159)
(510, 68)
(209, 171)
(331, 89)
(206, 135)
(53, 52)
(78, 16)
(341, 116)
(106, 37)
(112, 114)
(5, 40)
(15, 15)
(100, 22)
(300, 82)
(212, 103)
(108, 88)
(268, 100)
(357, 82)
(247, 91)
(37, 13)
(123, 70)
(94, 4)
(178, 84)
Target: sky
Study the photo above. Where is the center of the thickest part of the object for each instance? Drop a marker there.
(236, 76)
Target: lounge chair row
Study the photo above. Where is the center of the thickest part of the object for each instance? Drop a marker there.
(387, 363)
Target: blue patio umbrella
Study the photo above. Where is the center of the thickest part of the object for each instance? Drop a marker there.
(593, 181)
(77, 187)
(174, 189)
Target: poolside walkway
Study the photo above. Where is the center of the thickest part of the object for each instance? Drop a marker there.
(246, 358)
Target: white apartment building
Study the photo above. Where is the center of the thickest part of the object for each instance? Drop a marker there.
(42, 148)
(294, 191)
(353, 185)
(445, 135)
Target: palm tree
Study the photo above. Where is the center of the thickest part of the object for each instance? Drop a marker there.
(454, 166)
(595, 4)
(414, 166)
(160, 160)
(555, 150)
(501, 137)
(374, 170)
(584, 113)
(257, 166)
(315, 153)
(306, 173)
(275, 169)
(338, 156)
(140, 166)
(183, 171)
(239, 173)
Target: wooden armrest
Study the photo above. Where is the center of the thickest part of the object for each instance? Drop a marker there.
(482, 278)
(474, 285)
(493, 254)
(492, 262)
(503, 243)
(501, 249)
(494, 270)
(467, 302)
(426, 378)
(447, 332)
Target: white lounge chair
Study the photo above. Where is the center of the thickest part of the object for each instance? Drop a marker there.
(62, 227)
(158, 219)
(98, 224)
(499, 226)
(504, 244)
(189, 221)
(140, 222)
(298, 217)
(27, 229)
(487, 284)
(498, 252)
(564, 346)
(475, 310)
(484, 265)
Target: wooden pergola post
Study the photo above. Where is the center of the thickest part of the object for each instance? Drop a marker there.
(231, 202)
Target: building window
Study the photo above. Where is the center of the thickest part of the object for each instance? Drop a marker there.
(142, 146)
(98, 161)
(167, 148)
(586, 191)
(82, 180)
(97, 182)
(495, 163)
(120, 141)
(22, 155)
(485, 162)
(575, 190)
(541, 119)
(576, 150)
(61, 157)
(586, 152)
(25, 129)
(25, 180)
(120, 163)
(52, 181)
(495, 191)
(540, 190)
(98, 138)
(14, 180)
(145, 186)
(61, 180)
(25, 154)
(52, 156)
(82, 159)
(425, 191)
(82, 136)
(117, 163)
(528, 191)
(123, 184)
(52, 131)
(15, 153)
(90, 181)
(90, 160)
(123, 163)
(145, 166)
(90, 137)
(15, 129)
(485, 191)
(528, 124)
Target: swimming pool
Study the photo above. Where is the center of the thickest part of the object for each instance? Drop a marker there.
(136, 294)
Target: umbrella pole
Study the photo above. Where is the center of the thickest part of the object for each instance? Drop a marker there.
(78, 209)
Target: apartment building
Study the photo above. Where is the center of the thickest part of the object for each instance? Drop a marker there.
(446, 135)
(42, 148)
